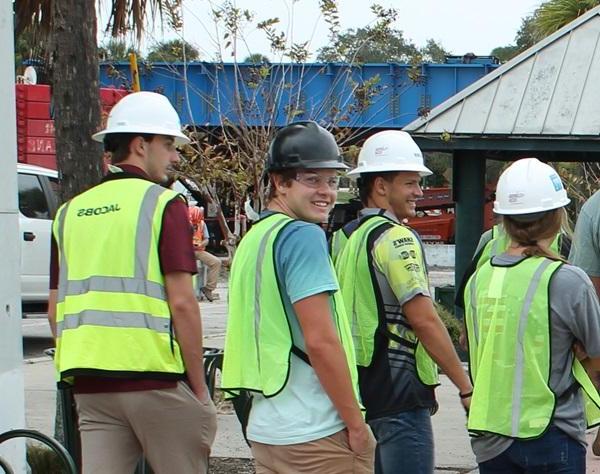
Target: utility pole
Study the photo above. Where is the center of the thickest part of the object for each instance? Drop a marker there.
(12, 397)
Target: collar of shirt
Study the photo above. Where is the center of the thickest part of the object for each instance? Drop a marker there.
(371, 211)
(136, 171)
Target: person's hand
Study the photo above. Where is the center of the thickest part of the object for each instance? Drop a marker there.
(466, 402)
(202, 394)
(359, 439)
(579, 351)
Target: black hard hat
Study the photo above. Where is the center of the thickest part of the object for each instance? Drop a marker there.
(304, 145)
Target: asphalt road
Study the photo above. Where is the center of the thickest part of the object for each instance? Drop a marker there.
(36, 336)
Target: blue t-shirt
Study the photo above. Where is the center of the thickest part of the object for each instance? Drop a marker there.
(302, 411)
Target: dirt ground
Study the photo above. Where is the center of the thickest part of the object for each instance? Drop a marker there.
(231, 466)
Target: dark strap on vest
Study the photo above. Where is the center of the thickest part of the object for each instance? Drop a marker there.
(394, 337)
(300, 354)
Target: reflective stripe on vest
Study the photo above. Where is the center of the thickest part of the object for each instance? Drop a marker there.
(258, 341)
(510, 356)
(359, 291)
(112, 311)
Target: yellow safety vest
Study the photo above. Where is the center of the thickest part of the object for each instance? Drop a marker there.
(112, 312)
(258, 342)
(507, 315)
(360, 293)
(336, 244)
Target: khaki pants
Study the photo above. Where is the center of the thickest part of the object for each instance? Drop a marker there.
(170, 427)
(330, 455)
(213, 264)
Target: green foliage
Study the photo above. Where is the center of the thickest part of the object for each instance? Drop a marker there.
(453, 325)
(29, 45)
(43, 460)
(441, 165)
(329, 9)
(257, 58)
(505, 53)
(527, 36)
(376, 43)
(554, 14)
(433, 52)
(549, 17)
(173, 50)
(370, 45)
(117, 50)
(277, 39)
(581, 181)
(233, 20)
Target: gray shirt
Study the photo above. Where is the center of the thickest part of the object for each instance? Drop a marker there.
(574, 315)
(585, 250)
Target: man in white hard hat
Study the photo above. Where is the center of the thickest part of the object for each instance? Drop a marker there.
(122, 307)
(397, 332)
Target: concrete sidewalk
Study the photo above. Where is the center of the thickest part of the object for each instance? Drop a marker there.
(452, 449)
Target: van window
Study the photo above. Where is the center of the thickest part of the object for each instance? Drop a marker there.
(32, 200)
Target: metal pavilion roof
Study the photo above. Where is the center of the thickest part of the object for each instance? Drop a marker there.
(550, 90)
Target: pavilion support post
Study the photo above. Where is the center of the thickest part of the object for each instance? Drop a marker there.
(468, 184)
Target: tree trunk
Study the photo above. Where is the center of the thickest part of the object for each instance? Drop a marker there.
(76, 95)
(76, 101)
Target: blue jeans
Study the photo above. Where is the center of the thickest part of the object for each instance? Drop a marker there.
(553, 453)
(404, 443)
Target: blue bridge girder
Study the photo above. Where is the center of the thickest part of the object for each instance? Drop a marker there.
(335, 94)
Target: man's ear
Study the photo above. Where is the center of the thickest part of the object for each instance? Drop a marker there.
(279, 184)
(137, 146)
(380, 186)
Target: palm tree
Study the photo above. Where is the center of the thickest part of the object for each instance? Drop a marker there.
(71, 28)
(554, 14)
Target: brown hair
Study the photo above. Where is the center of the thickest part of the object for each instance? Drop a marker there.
(365, 183)
(528, 233)
(117, 144)
(287, 175)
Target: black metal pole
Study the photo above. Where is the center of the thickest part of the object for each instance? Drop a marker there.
(468, 184)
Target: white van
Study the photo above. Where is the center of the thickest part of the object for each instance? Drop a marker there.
(37, 206)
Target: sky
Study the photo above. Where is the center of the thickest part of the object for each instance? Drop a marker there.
(461, 26)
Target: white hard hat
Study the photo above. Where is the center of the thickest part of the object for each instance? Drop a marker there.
(390, 150)
(144, 112)
(529, 186)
